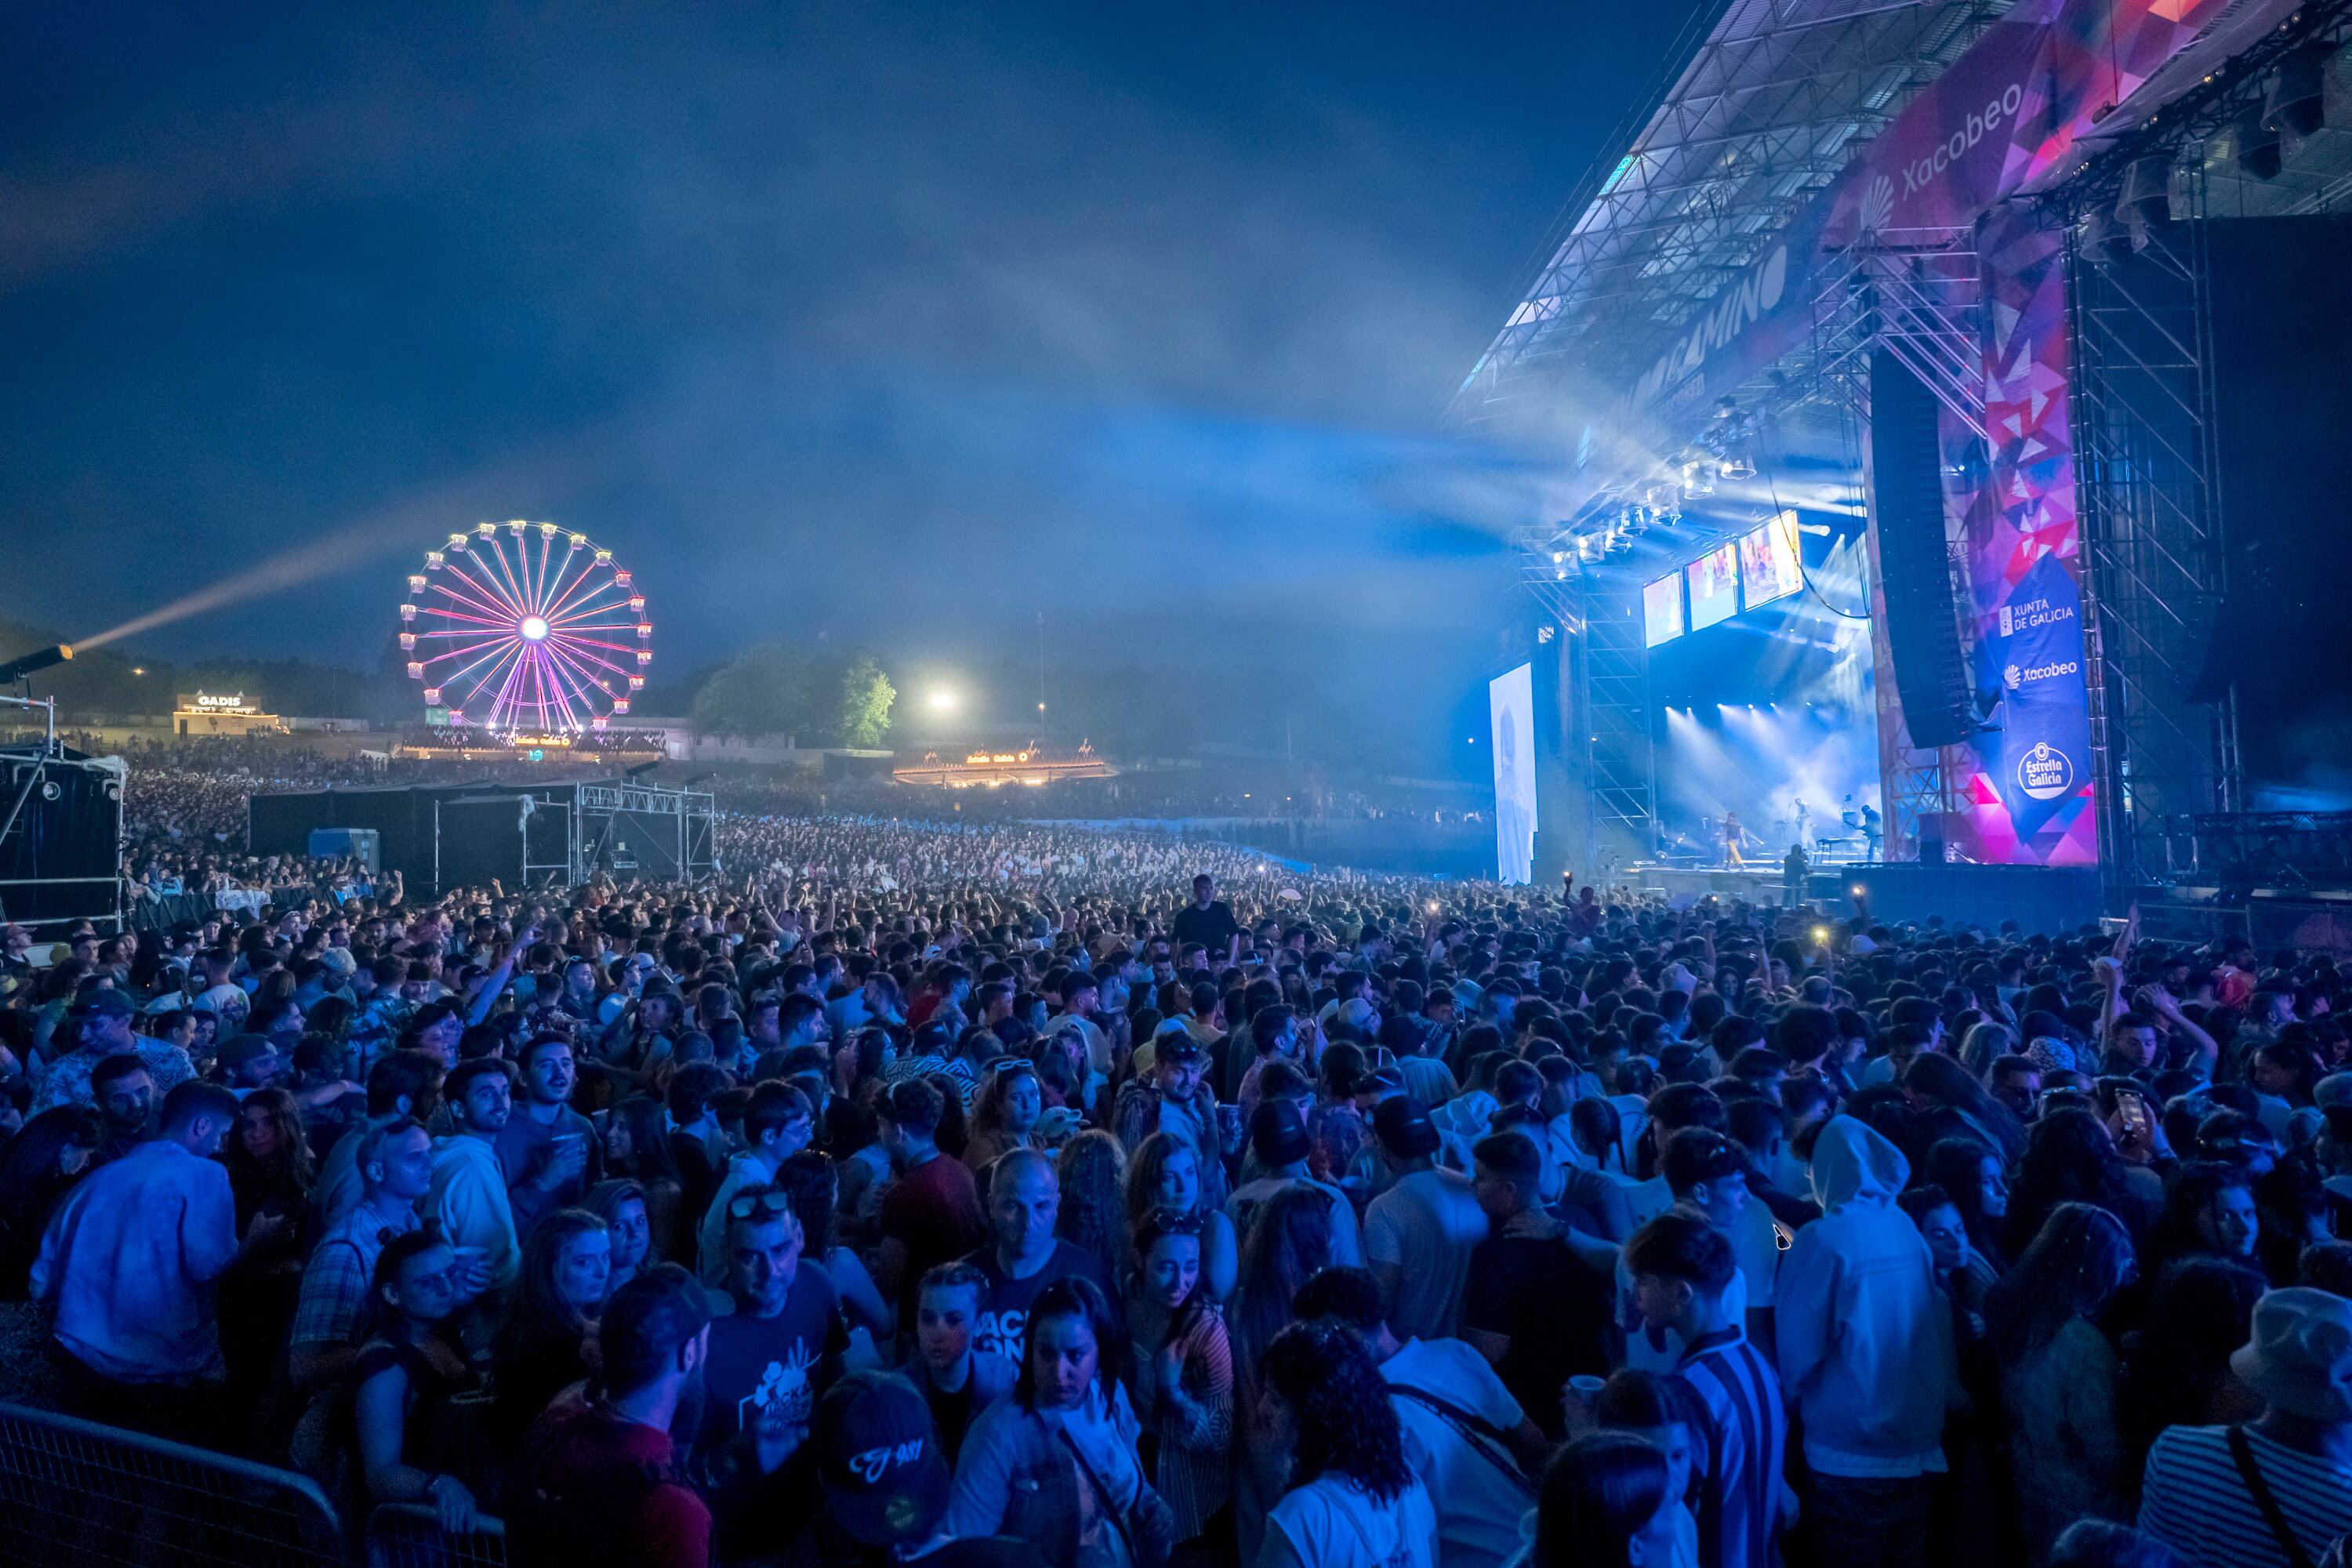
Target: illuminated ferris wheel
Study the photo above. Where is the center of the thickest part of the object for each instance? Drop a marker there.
(520, 637)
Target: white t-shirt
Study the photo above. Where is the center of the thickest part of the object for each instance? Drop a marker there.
(1330, 1523)
(1426, 1224)
(1243, 1204)
(1647, 1200)
(1478, 1503)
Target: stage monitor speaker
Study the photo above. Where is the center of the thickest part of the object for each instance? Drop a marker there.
(1908, 495)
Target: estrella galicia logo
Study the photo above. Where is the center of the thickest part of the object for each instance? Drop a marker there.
(1877, 205)
(2044, 772)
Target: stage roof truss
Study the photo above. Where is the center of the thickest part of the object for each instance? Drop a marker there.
(1770, 107)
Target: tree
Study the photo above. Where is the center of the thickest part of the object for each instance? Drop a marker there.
(765, 692)
(865, 698)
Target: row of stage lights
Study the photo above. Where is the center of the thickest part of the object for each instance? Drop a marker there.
(1659, 504)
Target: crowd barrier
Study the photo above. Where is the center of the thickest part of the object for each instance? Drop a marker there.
(409, 1535)
(74, 1491)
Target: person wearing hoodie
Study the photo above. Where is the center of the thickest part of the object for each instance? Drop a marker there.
(1865, 1353)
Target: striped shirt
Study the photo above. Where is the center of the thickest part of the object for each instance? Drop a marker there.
(2195, 1502)
(1745, 1431)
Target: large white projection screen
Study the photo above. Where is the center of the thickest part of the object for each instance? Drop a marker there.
(1511, 706)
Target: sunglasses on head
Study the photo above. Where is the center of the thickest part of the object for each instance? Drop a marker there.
(745, 1206)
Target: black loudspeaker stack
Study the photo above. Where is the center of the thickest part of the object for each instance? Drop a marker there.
(1921, 625)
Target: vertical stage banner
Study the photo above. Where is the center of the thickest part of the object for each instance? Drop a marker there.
(2028, 782)
(1511, 708)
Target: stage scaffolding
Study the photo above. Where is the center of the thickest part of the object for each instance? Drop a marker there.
(2148, 493)
(1607, 741)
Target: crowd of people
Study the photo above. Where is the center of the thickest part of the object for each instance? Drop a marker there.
(931, 1192)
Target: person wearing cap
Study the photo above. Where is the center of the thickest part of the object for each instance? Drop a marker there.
(603, 1483)
(886, 1486)
(1426, 1076)
(102, 1018)
(249, 1062)
(2278, 1489)
(1284, 1153)
(1420, 1234)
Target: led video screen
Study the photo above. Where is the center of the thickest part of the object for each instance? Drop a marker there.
(1714, 587)
(1662, 609)
(1511, 708)
(1770, 567)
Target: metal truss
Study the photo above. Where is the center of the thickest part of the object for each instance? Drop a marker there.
(1608, 743)
(1770, 108)
(1918, 294)
(2148, 493)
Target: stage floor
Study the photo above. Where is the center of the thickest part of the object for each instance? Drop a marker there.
(1756, 884)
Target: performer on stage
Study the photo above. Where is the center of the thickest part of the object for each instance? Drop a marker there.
(1870, 832)
(1793, 872)
(1733, 836)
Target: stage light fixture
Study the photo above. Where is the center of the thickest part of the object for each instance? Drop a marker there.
(17, 669)
(2146, 202)
(2258, 146)
(2297, 102)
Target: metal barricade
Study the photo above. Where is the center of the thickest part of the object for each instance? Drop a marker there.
(75, 1491)
(409, 1535)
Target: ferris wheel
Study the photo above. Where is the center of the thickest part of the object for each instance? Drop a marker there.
(520, 637)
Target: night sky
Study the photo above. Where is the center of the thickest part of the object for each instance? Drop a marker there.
(900, 323)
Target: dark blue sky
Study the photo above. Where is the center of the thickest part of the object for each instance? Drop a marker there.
(903, 321)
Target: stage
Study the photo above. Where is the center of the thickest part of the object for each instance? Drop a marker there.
(2044, 900)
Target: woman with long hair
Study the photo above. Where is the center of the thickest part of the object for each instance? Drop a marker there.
(1184, 1371)
(2058, 1373)
(269, 1164)
(1953, 1101)
(1165, 1173)
(638, 1146)
(2071, 1157)
(1289, 1242)
(1605, 1503)
(811, 1182)
(1092, 1169)
(409, 1434)
(1005, 1111)
(620, 1203)
(2175, 1366)
(1350, 1501)
(1055, 1463)
(46, 1157)
(1977, 1182)
(1984, 1044)
(269, 1175)
(542, 1348)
